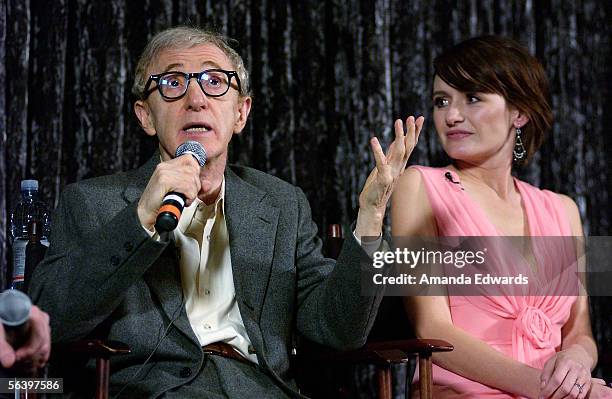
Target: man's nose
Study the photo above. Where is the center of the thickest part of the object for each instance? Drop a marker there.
(195, 97)
(454, 114)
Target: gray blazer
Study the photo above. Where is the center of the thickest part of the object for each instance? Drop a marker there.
(103, 276)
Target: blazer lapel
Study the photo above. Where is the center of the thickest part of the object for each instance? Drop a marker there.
(164, 279)
(251, 224)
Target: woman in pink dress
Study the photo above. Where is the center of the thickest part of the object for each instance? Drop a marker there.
(491, 110)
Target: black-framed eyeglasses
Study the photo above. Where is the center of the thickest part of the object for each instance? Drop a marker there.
(174, 84)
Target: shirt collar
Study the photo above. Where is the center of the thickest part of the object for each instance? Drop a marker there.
(202, 210)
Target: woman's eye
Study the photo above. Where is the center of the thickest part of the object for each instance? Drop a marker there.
(440, 102)
(472, 98)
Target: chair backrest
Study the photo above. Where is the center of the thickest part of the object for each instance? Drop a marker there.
(333, 241)
(34, 255)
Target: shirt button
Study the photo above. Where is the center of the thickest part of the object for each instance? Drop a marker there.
(114, 260)
(128, 246)
(208, 237)
(206, 292)
(185, 372)
(207, 326)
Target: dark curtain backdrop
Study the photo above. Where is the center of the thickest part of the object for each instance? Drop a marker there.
(326, 76)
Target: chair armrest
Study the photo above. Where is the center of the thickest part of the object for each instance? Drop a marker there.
(381, 353)
(96, 349)
(93, 348)
(412, 346)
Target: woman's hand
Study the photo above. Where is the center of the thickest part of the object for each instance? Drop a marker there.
(566, 375)
(599, 390)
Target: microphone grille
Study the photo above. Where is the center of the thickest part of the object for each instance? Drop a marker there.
(195, 149)
(14, 307)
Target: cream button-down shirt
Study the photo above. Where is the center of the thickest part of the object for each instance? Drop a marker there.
(202, 241)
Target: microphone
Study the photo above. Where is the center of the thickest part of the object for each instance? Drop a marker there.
(449, 177)
(15, 309)
(174, 202)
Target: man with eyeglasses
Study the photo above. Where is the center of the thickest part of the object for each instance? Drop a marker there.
(209, 310)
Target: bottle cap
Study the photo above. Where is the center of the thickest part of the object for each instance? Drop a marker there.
(29, 185)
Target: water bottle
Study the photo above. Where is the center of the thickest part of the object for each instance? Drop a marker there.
(28, 209)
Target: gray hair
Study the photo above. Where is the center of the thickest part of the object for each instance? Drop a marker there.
(187, 37)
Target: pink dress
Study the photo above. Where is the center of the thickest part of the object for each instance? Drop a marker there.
(526, 328)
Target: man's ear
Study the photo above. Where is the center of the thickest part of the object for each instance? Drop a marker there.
(143, 113)
(244, 107)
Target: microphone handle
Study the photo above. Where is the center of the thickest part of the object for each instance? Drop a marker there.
(170, 212)
(17, 336)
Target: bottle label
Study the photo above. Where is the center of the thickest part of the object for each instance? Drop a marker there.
(19, 247)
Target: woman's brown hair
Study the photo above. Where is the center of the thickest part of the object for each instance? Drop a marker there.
(494, 64)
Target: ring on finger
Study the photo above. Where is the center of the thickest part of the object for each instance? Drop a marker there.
(580, 386)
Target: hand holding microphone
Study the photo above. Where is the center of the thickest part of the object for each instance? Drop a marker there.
(174, 184)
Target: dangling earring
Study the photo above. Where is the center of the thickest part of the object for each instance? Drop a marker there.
(519, 149)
